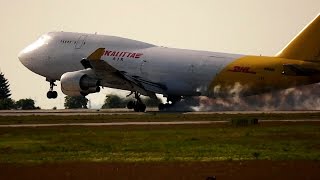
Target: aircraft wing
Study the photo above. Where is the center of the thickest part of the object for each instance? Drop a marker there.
(298, 70)
(115, 78)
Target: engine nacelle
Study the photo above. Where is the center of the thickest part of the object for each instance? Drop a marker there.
(79, 83)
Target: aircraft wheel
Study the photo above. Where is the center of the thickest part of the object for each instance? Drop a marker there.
(130, 105)
(137, 105)
(49, 94)
(54, 94)
(136, 108)
(140, 107)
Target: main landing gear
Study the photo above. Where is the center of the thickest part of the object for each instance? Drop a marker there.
(171, 100)
(137, 105)
(51, 94)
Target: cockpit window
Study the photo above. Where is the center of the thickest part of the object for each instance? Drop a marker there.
(38, 43)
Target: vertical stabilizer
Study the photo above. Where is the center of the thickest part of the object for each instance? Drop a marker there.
(306, 45)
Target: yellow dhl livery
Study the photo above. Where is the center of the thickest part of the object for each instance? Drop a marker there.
(297, 64)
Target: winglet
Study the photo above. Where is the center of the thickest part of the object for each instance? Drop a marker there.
(96, 55)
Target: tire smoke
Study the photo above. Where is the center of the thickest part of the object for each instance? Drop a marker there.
(298, 98)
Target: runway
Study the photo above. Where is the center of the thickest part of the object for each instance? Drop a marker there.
(143, 123)
(115, 124)
(121, 111)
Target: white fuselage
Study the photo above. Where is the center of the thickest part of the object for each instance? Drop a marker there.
(183, 72)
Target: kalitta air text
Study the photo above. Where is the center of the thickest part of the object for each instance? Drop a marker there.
(122, 54)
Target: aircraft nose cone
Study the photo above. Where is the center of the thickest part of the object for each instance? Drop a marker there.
(21, 56)
(24, 58)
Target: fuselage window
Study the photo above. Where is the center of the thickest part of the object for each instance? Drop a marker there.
(69, 42)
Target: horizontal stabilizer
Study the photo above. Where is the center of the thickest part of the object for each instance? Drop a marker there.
(297, 70)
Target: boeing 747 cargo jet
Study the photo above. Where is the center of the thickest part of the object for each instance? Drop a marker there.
(85, 62)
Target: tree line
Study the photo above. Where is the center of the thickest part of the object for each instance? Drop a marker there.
(7, 103)
(111, 101)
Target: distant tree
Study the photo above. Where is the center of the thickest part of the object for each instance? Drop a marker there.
(74, 102)
(115, 101)
(7, 103)
(4, 87)
(26, 104)
(150, 102)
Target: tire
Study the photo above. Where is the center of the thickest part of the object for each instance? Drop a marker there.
(49, 95)
(54, 94)
(142, 107)
(136, 108)
(130, 105)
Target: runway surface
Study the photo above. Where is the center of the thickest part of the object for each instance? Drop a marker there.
(114, 124)
(73, 112)
(141, 123)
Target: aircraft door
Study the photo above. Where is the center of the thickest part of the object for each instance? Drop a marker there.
(81, 41)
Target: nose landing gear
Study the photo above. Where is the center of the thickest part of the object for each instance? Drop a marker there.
(138, 105)
(51, 94)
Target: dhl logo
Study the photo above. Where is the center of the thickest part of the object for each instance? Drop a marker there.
(242, 69)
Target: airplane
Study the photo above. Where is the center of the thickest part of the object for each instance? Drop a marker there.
(85, 62)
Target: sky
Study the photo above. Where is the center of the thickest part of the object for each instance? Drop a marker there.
(250, 27)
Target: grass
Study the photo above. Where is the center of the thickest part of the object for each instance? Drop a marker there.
(30, 119)
(159, 143)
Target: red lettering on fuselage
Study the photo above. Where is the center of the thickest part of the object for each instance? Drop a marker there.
(242, 69)
(107, 53)
(113, 53)
(138, 55)
(122, 54)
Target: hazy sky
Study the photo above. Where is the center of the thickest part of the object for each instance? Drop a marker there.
(235, 26)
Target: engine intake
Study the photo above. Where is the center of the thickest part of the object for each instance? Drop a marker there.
(79, 83)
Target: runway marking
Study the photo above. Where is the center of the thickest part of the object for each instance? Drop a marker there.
(143, 123)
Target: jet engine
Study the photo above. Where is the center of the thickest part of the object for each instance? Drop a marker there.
(79, 83)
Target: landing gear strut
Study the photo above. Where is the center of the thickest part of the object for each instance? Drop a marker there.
(137, 105)
(171, 100)
(51, 94)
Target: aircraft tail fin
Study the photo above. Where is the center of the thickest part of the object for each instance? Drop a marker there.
(306, 45)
